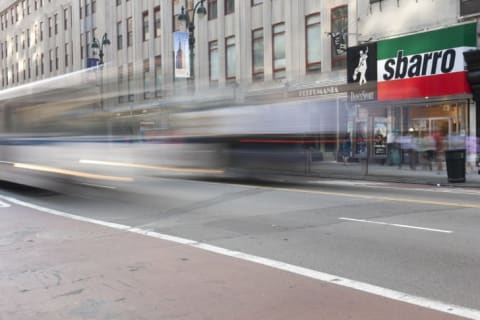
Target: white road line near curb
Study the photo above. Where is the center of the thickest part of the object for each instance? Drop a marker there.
(325, 277)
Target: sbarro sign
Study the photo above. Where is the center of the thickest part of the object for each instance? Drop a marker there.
(426, 64)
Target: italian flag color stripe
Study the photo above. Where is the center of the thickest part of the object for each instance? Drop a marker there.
(458, 36)
(419, 87)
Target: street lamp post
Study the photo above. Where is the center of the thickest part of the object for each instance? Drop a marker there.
(199, 8)
(99, 45)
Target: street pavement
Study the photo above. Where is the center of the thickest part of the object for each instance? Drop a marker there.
(57, 267)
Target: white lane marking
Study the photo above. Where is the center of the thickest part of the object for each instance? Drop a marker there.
(97, 185)
(396, 225)
(4, 204)
(321, 276)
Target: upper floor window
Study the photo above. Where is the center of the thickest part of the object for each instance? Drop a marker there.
(119, 2)
(213, 60)
(313, 43)
(41, 30)
(279, 52)
(257, 54)
(50, 26)
(212, 9)
(145, 26)
(229, 6)
(119, 35)
(56, 23)
(469, 7)
(65, 18)
(230, 58)
(256, 2)
(158, 76)
(129, 32)
(157, 21)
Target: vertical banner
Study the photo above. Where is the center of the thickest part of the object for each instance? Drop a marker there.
(339, 34)
(182, 54)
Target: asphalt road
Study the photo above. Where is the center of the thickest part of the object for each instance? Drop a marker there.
(421, 240)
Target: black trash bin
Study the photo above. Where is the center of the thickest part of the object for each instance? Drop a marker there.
(455, 160)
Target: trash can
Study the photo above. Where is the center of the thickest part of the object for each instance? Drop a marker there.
(455, 160)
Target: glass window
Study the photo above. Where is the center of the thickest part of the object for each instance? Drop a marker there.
(157, 21)
(65, 19)
(119, 35)
(213, 60)
(158, 76)
(229, 6)
(82, 48)
(129, 32)
(313, 43)
(279, 53)
(339, 36)
(257, 54)
(66, 54)
(212, 9)
(146, 79)
(131, 96)
(50, 59)
(87, 42)
(230, 58)
(55, 18)
(145, 27)
(50, 26)
(121, 96)
(57, 58)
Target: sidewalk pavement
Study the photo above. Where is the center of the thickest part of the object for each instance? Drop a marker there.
(390, 173)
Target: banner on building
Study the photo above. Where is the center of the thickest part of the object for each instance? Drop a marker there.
(362, 72)
(425, 64)
(182, 54)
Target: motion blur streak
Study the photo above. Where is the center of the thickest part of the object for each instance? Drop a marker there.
(71, 172)
(142, 166)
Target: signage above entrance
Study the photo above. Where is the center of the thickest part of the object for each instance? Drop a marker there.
(362, 72)
(425, 64)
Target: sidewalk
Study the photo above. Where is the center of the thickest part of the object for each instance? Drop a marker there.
(387, 173)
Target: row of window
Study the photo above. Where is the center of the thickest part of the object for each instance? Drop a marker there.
(38, 65)
(24, 40)
(19, 10)
(313, 51)
(87, 7)
(151, 81)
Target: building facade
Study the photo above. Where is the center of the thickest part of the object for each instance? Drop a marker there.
(246, 52)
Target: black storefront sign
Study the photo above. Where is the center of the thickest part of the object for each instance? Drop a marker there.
(362, 72)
